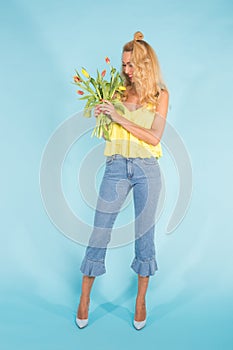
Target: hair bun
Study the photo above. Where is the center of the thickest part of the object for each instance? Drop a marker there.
(138, 36)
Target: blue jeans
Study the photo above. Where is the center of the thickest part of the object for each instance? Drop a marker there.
(120, 176)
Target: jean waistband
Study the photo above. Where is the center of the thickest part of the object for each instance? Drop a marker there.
(119, 156)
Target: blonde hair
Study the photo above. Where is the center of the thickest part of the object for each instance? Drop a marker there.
(147, 77)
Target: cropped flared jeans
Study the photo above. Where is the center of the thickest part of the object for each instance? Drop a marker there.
(143, 176)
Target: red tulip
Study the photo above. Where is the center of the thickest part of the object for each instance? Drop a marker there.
(80, 92)
(103, 73)
(107, 60)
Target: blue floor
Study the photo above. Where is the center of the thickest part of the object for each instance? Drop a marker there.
(32, 322)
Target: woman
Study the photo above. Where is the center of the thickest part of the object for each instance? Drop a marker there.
(131, 163)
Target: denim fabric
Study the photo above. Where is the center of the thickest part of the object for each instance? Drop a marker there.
(143, 176)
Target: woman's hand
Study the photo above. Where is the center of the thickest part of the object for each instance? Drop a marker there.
(108, 109)
(97, 110)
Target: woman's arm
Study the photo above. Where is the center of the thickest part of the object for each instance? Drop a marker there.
(152, 135)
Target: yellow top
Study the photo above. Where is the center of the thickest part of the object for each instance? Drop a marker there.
(124, 143)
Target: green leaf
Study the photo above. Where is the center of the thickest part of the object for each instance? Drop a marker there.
(93, 82)
(78, 74)
(87, 113)
(106, 90)
(119, 107)
(99, 77)
(85, 97)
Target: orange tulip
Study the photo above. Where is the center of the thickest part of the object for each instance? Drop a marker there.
(76, 79)
(107, 60)
(80, 92)
(103, 73)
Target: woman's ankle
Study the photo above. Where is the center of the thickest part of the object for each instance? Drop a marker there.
(140, 311)
(83, 308)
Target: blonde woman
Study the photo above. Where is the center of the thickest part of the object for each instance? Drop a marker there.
(131, 164)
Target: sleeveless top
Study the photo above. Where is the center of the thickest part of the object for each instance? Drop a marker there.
(124, 143)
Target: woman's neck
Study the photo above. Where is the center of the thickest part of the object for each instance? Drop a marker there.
(132, 102)
(132, 96)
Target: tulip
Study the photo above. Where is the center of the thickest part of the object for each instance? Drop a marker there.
(107, 60)
(84, 72)
(80, 92)
(149, 105)
(103, 73)
(76, 79)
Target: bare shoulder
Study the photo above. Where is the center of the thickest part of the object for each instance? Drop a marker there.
(164, 95)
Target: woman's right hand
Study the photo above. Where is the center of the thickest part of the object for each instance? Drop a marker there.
(97, 110)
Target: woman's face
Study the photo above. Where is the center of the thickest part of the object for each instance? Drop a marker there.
(127, 65)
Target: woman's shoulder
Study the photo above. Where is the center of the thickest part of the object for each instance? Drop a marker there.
(164, 93)
(162, 102)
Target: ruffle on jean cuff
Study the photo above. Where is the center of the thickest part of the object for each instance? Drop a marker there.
(92, 268)
(144, 268)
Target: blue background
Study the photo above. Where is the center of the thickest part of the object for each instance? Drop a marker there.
(189, 300)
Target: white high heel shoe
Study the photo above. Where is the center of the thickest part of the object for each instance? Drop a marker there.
(81, 323)
(139, 325)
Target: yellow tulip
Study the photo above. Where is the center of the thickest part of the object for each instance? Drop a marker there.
(84, 72)
(150, 106)
(122, 88)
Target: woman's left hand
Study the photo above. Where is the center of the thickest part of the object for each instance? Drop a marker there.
(108, 108)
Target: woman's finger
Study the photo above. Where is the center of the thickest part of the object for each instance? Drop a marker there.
(108, 102)
(97, 110)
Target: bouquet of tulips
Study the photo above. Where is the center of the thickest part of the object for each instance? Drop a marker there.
(94, 91)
